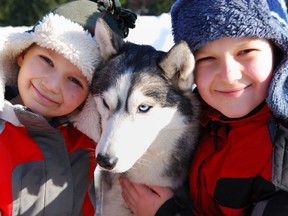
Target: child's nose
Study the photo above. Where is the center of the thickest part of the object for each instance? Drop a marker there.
(231, 70)
(52, 83)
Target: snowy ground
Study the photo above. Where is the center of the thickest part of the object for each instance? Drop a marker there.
(152, 30)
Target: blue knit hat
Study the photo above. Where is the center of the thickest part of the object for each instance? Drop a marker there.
(201, 22)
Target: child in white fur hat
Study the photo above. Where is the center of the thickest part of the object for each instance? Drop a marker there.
(46, 164)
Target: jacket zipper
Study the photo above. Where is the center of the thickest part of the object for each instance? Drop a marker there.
(215, 125)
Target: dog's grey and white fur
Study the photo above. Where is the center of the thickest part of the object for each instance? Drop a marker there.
(149, 116)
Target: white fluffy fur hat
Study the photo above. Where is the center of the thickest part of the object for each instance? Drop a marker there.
(68, 30)
(58, 34)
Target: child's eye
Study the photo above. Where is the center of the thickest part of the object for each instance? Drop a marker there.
(204, 59)
(75, 81)
(47, 60)
(242, 52)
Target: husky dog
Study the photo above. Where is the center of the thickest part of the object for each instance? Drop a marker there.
(148, 116)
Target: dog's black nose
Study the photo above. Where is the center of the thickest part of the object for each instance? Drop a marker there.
(106, 161)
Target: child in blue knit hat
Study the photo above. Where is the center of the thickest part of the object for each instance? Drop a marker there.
(240, 165)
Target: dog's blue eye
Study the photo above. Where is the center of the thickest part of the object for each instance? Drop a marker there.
(144, 108)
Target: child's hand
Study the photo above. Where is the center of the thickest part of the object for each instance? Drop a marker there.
(144, 200)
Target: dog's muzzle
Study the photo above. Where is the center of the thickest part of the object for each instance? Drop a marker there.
(106, 161)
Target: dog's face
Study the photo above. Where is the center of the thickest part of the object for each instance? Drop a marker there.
(140, 95)
(134, 117)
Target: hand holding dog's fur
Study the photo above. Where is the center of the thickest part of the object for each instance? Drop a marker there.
(144, 200)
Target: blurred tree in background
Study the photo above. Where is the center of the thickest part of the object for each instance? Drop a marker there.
(28, 12)
(25, 12)
(148, 7)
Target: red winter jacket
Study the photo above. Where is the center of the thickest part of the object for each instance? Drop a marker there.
(44, 170)
(232, 166)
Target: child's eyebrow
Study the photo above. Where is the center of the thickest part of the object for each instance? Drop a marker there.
(201, 52)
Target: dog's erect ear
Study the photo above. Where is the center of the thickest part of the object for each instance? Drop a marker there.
(109, 42)
(178, 65)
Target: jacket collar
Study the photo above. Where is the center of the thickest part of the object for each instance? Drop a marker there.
(211, 115)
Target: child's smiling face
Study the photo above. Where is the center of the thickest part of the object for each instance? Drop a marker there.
(49, 84)
(233, 74)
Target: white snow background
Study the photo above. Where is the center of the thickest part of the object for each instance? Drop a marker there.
(151, 30)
